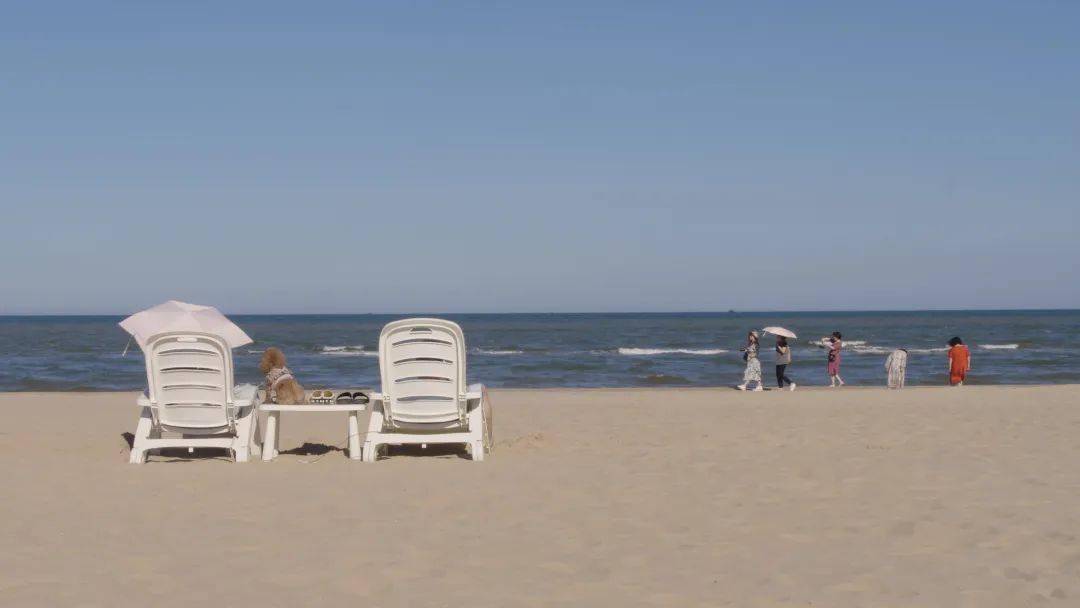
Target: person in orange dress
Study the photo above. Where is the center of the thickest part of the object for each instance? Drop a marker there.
(959, 362)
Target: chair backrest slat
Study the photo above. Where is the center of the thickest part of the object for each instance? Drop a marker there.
(422, 364)
(190, 377)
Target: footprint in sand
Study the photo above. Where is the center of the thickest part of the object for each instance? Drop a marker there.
(904, 528)
(1016, 573)
(1061, 537)
(526, 442)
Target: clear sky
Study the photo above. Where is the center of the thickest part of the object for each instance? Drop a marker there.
(546, 156)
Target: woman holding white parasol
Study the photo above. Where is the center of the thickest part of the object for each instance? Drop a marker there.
(783, 355)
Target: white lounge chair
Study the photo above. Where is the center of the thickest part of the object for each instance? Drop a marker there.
(191, 398)
(424, 398)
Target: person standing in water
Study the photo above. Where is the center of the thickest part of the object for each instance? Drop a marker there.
(959, 361)
(753, 365)
(783, 359)
(833, 344)
(896, 366)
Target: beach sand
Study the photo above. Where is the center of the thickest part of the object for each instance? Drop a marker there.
(643, 497)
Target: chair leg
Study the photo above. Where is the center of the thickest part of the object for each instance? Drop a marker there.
(269, 448)
(245, 432)
(480, 430)
(142, 433)
(489, 429)
(354, 436)
(375, 426)
(256, 435)
(277, 433)
(371, 451)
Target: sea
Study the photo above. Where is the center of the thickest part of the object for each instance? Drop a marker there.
(87, 353)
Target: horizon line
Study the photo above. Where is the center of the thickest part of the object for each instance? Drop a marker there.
(626, 312)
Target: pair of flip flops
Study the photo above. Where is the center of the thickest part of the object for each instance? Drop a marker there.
(357, 397)
(343, 397)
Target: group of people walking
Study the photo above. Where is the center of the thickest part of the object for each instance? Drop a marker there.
(752, 373)
(895, 364)
(753, 364)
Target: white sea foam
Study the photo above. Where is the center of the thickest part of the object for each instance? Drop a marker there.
(860, 347)
(870, 349)
(484, 351)
(999, 346)
(348, 351)
(640, 352)
(847, 343)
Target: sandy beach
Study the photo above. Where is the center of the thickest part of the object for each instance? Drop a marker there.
(673, 497)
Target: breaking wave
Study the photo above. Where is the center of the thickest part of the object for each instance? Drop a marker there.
(999, 346)
(348, 351)
(870, 349)
(644, 352)
(665, 380)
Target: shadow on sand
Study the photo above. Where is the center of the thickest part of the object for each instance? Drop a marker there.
(179, 454)
(438, 450)
(312, 449)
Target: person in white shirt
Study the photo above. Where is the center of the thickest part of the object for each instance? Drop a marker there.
(896, 366)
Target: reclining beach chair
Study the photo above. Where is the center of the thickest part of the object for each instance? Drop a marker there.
(191, 398)
(424, 398)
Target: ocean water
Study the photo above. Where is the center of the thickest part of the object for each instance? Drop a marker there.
(576, 350)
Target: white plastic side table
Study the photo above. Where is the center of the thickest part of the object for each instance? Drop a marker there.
(273, 414)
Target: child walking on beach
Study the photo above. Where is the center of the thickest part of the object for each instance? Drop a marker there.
(833, 344)
(959, 361)
(753, 365)
(783, 359)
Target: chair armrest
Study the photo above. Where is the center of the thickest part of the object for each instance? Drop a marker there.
(474, 391)
(246, 395)
(142, 401)
(373, 397)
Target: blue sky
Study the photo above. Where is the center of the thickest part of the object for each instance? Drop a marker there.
(501, 157)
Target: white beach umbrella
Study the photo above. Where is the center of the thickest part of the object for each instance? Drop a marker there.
(181, 316)
(780, 331)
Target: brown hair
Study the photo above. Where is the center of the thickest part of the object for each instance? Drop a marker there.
(272, 357)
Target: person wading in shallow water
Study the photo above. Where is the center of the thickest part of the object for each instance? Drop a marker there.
(959, 362)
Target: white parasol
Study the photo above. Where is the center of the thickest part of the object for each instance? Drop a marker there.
(780, 331)
(181, 316)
